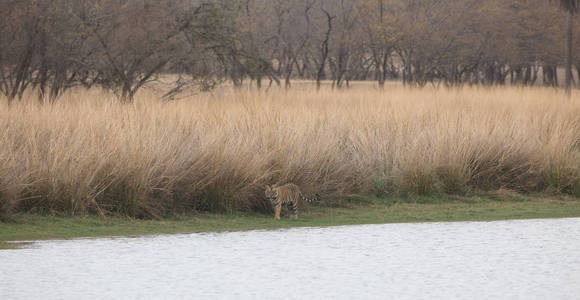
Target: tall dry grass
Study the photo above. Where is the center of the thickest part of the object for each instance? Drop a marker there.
(90, 154)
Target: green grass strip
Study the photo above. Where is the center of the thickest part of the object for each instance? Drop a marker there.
(27, 227)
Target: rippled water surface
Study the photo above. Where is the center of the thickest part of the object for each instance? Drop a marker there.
(533, 259)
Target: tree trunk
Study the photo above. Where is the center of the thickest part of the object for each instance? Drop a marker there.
(381, 80)
(569, 53)
(578, 73)
(259, 82)
(127, 93)
(324, 49)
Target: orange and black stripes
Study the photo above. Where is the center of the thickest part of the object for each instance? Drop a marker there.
(287, 195)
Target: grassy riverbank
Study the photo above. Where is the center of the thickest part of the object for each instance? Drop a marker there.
(365, 211)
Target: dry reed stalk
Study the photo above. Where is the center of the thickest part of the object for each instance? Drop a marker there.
(90, 154)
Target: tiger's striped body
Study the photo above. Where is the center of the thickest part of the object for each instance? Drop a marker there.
(287, 195)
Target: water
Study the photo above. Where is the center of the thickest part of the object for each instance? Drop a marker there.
(532, 259)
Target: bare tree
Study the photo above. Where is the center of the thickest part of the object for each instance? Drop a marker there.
(20, 36)
(381, 34)
(343, 42)
(571, 7)
(324, 48)
(136, 41)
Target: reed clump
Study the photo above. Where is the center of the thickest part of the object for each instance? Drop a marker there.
(214, 152)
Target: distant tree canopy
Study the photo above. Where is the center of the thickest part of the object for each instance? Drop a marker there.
(50, 46)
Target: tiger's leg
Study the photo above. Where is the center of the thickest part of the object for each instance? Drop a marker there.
(277, 210)
(293, 210)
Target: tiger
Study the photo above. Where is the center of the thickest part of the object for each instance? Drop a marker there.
(287, 195)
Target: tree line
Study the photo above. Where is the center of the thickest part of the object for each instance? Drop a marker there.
(50, 46)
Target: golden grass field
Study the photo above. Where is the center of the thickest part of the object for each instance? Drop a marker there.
(215, 152)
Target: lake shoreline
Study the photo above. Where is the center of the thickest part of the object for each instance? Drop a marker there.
(30, 227)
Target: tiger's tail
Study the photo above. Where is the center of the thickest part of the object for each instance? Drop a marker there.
(310, 200)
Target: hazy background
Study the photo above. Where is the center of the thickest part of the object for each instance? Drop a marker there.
(123, 45)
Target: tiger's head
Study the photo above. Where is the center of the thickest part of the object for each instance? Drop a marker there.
(271, 192)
